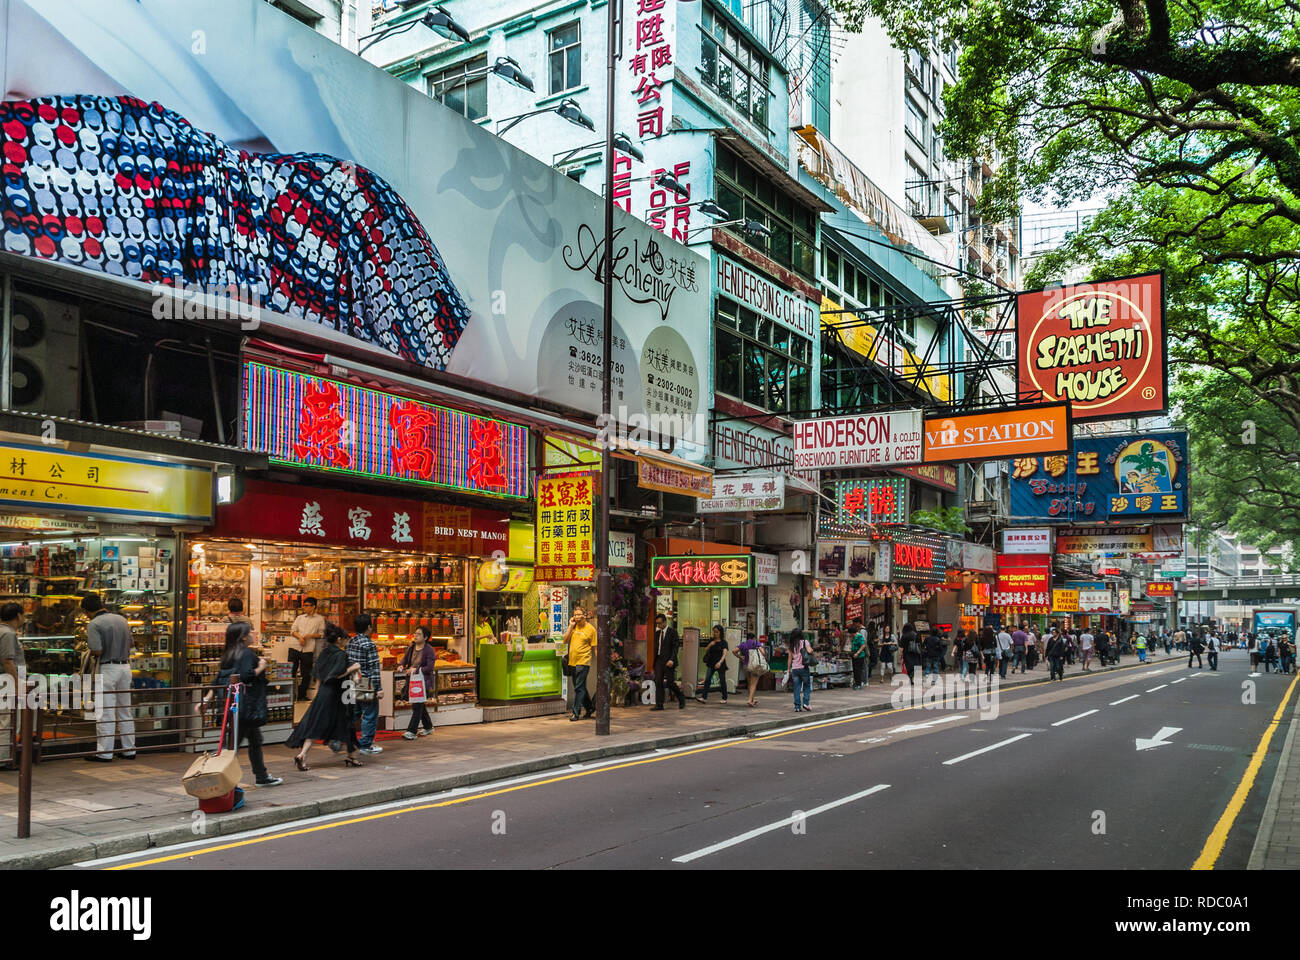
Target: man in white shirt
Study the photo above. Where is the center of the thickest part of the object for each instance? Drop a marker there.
(1212, 651)
(308, 628)
(1086, 641)
(1004, 652)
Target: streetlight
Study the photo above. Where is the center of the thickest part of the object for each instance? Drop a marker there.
(622, 142)
(709, 208)
(506, 67)
(438, 20)
(756, 229)
(568, 109)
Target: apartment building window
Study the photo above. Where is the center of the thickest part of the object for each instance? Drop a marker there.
(759, 361)
(914, 121)
(468, 98)
(735, 68)
(564, 48)
(917, 188)
(745, 193)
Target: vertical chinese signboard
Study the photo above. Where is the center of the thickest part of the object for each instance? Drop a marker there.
(565, 511)
(339, 427)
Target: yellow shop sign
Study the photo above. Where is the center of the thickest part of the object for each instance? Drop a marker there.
(51, 478)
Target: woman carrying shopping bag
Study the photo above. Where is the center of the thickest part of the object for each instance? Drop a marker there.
(422, 663)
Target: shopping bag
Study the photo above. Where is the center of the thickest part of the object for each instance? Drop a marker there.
(415, 692)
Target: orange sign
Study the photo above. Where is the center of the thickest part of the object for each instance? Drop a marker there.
(1098, 346)
(979, 594)
(1160, 588)
(1021, 431)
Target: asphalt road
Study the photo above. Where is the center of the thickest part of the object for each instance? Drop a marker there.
(1055, 780)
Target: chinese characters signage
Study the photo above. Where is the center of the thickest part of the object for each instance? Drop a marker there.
(1105, 540)
(679, 480)
(1160, 588)
(340, 427)
(1100, 347)
(649, 36)
(860, 440)
(991, 436)
(860, 504)
(941, 475)
(737, 494)
(565, 529)
(1019, 540)
(704, 572)
(1023, 584)
(1124, 478)
(108, 486)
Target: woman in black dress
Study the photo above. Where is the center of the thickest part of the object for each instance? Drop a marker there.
(328, 718)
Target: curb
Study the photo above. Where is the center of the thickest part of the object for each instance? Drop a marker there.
(1259, 852)
(228, 824)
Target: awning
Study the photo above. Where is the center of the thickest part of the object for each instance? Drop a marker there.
(661, 471)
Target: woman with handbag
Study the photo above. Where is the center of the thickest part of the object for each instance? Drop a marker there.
(241, 664)
(887, 648)
(801, 662)
(328, 718)
(910, 641)
(989, 650)
(421, 661)
(751, 656)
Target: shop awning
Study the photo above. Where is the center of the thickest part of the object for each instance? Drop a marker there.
(661, 471)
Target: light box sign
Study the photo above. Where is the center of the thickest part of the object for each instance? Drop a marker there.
(1108, 540)
(565, 530)
(1126, 478)
(758, 492)
(1065, 601)
(859, 440)
(1098, 346)
(735, 571)
(980, 594)
(918, 558)
(344, 204)
(1027, 540)
(1024, 584)
(339, 427)
(860, 504)
(1160, 588)
(990, 436)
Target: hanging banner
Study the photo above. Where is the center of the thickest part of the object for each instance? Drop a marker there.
(339, 427)
(672, 479)
(744, 493)
(1098, 346)
(1160, 588)
(1020, 431)
(941, 475)
(565, 510)
(860, 440)
(1110, 540)
(1126, 478)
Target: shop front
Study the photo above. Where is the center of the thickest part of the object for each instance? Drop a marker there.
(110, 521)
(1022, 591)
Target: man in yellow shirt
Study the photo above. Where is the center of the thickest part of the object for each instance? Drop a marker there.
(581, 641)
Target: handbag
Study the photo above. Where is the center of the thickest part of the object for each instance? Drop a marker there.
(566, 668)
(363, 690)
(809, 658)
(756, 663)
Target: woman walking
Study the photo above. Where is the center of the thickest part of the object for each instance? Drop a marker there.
(800, 672)
(887, 648)
(328, 718)
(420, 659)
(754, 663)
(715, 661)
(241, 664)
(989, 651)
(859, 651)
(911, 646)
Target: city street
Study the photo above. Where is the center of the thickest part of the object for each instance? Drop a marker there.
(1056, 780)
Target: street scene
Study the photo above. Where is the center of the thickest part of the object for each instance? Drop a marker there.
(674, 435)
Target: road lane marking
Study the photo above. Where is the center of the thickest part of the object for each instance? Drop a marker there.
(976, 753)
(1116, 703)
(1079, 716)
(1219, 835)
(1179, 680)
(1161, 739)
(544, 778)
(1161, 687)
(928, 724)
(759, 831)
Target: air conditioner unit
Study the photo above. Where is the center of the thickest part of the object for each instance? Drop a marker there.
(981, 509)
(45, 369)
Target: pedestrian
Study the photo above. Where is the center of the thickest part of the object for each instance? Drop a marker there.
(667, 645)
(308, 627)
(801, 652)
(933, 649)
(235, 612)
(329, 717)
(580, 642)
(1286, 654)
(910, 642)
(1168, 642)
(1212, 651)
(362, 650)
(1086, 641)
(715, 661)
(1180, 639)
(1032, 643)
(969, 652)
(989, 651)
(751, 656)
(1142, 649)
(1195, 648)
(859, 653)
(888, 646)
(12, 659)
(1056, 651)
(1019, 644)
(420, 659)
(241, 664)
(873, 653)
(1253, 646)
(1005, 644)
(109, 637)
(1270, 655)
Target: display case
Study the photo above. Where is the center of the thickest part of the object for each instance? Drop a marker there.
(515, 670)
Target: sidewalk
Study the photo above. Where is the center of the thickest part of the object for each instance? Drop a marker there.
(82, 811)
(1277, 845)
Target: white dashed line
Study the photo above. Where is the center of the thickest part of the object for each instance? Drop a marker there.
(976, 753)
(1079, 716)
(1161, 687)
(1116, 703)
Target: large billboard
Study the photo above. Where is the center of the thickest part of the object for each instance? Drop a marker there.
(1129, 478)
(222, 145)
(1018, 431)
(1098, 346)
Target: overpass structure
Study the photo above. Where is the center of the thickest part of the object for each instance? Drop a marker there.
(1247, 590)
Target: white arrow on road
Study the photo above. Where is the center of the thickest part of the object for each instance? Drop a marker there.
(1158, 740)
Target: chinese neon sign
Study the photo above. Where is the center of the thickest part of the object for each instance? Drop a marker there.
(335, 426)
(702, 572)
